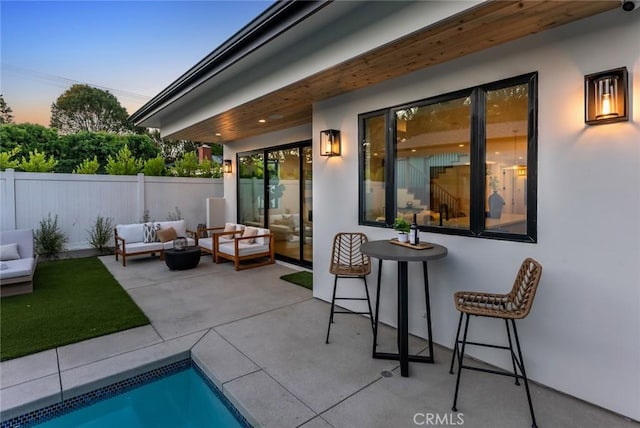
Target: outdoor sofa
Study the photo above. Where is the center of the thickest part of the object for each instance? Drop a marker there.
(150, 238)
(17, 262)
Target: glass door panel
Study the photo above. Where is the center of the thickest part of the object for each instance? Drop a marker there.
(283, 190)
(307, 205)
(275, 192)
(251, 189)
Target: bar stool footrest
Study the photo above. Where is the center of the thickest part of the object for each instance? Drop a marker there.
(414, 358)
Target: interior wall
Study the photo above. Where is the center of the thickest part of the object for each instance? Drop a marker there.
(582, 336)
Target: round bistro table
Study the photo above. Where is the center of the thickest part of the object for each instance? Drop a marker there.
(182, 259)
(385, 250)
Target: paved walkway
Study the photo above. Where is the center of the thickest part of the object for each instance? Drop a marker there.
(261, 340)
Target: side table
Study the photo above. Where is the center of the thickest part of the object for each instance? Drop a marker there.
(182, 259)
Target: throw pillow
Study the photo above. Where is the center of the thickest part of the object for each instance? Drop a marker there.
(229, 227)
(9, 252)
(168, 234)
(149, 233)
(249, 232)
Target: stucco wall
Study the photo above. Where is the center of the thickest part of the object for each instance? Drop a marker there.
(583, 335)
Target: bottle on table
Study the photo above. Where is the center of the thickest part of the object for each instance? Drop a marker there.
(414, 237)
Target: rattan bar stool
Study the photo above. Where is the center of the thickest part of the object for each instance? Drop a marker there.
(510, 307)
(348, 262)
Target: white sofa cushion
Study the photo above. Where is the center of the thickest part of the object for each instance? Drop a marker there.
(206, 243)
(243, 249)
(133, 247)
(180, 226)
(263, 240)
(16, 268)
(22, 237)
(9, 252)
(131, 232)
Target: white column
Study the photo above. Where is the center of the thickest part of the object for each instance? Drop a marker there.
(10, 189)
(140, 203)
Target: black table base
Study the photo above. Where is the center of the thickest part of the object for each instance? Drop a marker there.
(403, 324)
(182, 259)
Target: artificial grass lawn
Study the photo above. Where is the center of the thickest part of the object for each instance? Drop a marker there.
(302, 278)
(72, 300)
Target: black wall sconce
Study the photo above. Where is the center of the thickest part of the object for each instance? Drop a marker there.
(226, 166)
(606, 97)
(330, 142)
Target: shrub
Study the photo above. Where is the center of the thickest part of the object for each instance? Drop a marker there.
(49, 239)
(5, 159)
(154, 167)
(124, 163)
(101, 233)
(146, 218)
(176, 215)
(38, 162)
(88, 166)
(187, 166)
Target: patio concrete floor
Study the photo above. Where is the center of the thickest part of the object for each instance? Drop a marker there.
(261, 340)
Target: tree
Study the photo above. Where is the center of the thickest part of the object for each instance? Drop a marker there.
(173, 150)
(5, 112)
(187, 166)
(83, 108)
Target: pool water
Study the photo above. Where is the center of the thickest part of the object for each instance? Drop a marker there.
(182, 399)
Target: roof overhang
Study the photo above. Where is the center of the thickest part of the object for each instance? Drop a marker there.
(219, 95)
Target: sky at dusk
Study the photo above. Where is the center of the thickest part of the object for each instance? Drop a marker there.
(134, 49)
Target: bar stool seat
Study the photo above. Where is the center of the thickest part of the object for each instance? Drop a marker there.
(348, 262)
(510, 307)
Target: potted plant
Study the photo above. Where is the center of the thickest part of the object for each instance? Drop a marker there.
(402, 226)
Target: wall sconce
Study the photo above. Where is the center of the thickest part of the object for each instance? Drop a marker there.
(330, 142)
(606, 97)
(522, 171)
(226, 166)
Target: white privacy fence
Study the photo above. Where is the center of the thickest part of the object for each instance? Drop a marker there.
(78, 199)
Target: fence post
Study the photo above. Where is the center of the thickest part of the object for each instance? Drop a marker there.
(10, 189)
(141, 203)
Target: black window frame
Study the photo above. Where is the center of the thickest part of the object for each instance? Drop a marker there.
(478, 201)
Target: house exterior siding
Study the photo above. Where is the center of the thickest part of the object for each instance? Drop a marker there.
(583, 335)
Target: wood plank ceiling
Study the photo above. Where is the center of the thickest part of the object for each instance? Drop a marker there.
(488, 25)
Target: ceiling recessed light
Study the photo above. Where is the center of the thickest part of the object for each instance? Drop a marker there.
(413, 150)
(262, 120)
(460, 145)
(218, 134)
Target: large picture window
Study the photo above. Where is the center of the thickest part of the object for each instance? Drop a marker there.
(463, 163)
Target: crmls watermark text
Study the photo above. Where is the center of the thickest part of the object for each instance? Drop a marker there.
(438, 419)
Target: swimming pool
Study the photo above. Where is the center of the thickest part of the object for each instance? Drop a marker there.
(173, 396)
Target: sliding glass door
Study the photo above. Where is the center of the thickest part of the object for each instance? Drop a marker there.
(275, 191)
